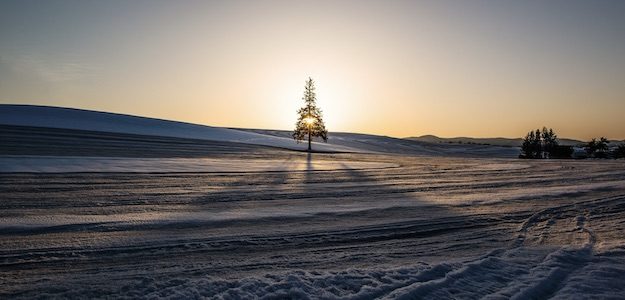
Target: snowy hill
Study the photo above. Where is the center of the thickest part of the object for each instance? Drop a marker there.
(385, 144)
(78, 119)
(69, 118)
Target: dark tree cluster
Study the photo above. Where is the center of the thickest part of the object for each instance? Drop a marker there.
(543, 144)
(598, 148)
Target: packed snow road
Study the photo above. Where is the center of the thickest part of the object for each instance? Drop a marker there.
(369, 226)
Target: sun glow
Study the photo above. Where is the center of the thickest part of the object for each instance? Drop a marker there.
(391, 69)
(334, 97)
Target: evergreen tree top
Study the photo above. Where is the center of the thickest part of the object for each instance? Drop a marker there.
(310, 120)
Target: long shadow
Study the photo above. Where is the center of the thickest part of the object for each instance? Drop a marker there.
(404, 216)
(323, 219)
(349, 216)
(361, 204)
(310, 169)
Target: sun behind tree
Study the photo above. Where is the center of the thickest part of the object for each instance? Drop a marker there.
(310, 121)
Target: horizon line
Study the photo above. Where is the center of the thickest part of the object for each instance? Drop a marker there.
(275, 129)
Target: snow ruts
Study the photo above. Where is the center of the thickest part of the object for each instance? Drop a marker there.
(433, 228)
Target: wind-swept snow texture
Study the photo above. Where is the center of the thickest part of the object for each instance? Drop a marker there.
(418, 228)
(114, 206)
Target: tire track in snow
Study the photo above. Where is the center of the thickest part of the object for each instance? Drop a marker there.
(501, 275)
(420, 251)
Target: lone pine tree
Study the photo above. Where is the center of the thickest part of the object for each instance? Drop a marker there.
(309, 122)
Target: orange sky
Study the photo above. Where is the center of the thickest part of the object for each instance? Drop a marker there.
(398, 68)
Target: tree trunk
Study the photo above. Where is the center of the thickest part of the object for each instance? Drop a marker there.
(309, 139)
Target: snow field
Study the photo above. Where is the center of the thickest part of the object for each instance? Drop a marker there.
(427, 228)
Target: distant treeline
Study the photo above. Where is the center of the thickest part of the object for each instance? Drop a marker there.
(544, 144)
(468, 143)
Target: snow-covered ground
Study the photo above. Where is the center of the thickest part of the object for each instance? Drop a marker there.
(66, 118)
(427, 228)
(81, 164)
(124, 207)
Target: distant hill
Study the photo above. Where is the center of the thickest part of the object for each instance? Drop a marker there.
(498, 141)
(86, 120)
(385, 144)
(67, 119)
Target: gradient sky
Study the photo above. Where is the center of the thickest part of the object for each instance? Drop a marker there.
(397, 68)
